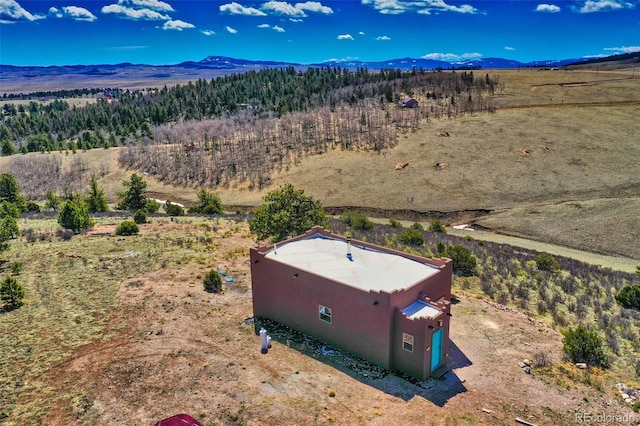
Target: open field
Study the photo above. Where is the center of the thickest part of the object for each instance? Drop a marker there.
(119, 330)
(557, 162)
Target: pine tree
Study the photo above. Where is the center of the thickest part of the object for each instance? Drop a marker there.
(96, 200)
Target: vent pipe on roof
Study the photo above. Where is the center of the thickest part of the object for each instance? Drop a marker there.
(275, 248)
(349, 256)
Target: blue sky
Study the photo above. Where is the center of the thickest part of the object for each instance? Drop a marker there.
(168, 32)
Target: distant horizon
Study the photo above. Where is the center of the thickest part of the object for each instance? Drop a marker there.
(159, 33)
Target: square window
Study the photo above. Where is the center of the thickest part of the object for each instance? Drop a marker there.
(325, 314)
(407, 342)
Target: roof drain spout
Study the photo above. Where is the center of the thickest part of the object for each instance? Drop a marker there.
(349, 256)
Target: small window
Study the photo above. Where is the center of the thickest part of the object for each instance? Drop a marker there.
(325, 314)
(407, 342)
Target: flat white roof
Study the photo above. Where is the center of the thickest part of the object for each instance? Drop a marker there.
(420, 309)
(368, 270)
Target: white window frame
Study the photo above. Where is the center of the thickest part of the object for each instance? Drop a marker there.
(408, 341)
(326, 314)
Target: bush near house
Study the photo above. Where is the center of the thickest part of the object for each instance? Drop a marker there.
(356, 221)
(582, 345)
(212, 282)
(464, 262)
(411, 237)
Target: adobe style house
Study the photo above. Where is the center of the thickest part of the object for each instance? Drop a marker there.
(386, 306)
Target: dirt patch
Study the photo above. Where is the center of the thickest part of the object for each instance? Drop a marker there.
(186, 350)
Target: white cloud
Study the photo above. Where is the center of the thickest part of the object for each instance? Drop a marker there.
(149, 4)
(297, 11)
(425, 7)
(208, 32)
(345, 37)
(275, 27)
(509, 48)
(131, 13)
(231, 30)
(296, 20)
(74, 12)
(55, 12)
(177, 25)
(238, 9)
(591, 6)
(361, 33)
(624, 49)
(383, 38)
(548, 8)
(11, 11)
(451, 57)
(314, 6)
(346, 59)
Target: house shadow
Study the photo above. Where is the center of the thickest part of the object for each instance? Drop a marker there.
(436, 390)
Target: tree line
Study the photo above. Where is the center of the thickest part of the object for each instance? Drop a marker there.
(128, 116)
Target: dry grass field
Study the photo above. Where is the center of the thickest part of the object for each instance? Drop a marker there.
(118, 330)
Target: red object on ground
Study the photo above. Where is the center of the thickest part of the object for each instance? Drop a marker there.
(179, 420)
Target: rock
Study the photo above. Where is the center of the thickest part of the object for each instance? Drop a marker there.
(527, 369)
(624, 396)
(527, 362)
(581, 365)
(521, 364)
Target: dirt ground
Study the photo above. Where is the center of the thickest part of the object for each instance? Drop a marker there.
(185, 350)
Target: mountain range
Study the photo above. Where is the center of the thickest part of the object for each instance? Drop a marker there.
(18, 79)
(227, 63)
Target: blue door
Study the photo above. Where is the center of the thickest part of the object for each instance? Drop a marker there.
(436, 349)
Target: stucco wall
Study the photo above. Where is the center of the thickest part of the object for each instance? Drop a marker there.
(361, 321)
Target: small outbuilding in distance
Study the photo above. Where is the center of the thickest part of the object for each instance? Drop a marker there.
(409, 102)
(386, 306)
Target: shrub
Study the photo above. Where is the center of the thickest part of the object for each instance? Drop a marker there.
(541, 359)
(52, 201)
(11, 293)
(394, 223)
(437, 226)
(74, 215)
(32, 207)
(629, 297)
(411, 237)
(140, 216)
(208, 203)
(546, 262)
(17, 267)
(212, 282)
(173, 209)
(464, 262)
(356, 221)
(582, 345)
(152, 206)
(127, 227)
(418, 226)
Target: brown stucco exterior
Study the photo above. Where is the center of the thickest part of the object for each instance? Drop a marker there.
(369, 324)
